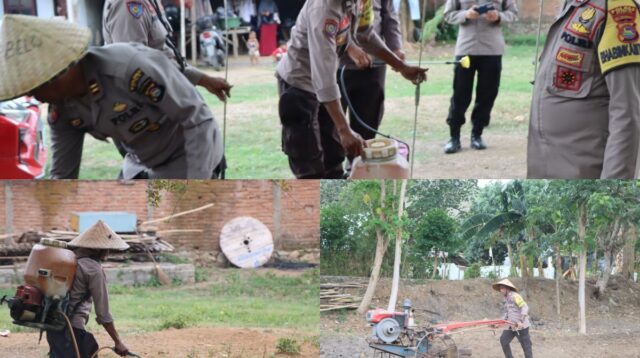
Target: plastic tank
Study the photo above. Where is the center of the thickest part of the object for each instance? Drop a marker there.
(51, 268)
(382, 159)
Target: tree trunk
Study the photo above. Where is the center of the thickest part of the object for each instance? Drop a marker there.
(629, 259)
(582, 275)
(540, 272)
(435, 266)
(594, 262)
(398, 254)
(512, 269)
(601, 285)
(558, 275)
(381, 247)
(609, 243)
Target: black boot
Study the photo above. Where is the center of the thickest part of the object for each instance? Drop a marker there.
(453, 145)
(477, 142)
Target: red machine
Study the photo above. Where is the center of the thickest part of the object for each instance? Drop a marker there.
(396, 334)
(22, 151)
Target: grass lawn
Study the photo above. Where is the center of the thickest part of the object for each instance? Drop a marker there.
(229, 298)
(253, 129)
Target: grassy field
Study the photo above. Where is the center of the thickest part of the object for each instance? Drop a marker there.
(253, 129)
(229, 298)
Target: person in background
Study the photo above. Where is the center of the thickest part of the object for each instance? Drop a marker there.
(279, 52)
(254, 48)
(516, 311)
(480, 37)
(268, 12)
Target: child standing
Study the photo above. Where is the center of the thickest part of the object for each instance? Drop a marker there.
(254, 48)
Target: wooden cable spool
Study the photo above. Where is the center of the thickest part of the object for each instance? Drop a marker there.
(246, 242)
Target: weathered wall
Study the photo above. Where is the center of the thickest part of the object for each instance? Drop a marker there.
(290, 209)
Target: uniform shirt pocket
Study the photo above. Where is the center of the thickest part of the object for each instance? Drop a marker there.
(572, 74)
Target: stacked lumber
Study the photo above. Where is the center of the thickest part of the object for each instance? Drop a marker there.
(138, 243)
(334, 297)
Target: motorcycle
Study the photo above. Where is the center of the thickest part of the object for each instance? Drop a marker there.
(212, 44)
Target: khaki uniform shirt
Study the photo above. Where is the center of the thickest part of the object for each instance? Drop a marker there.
(138, 21)
(480, 37)
(90, 281)
(137, 97)
(585, 114)
(516, 310)
(322, 33)
(386, 24)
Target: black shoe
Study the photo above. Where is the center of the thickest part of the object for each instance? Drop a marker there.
(452, 146)
(478, 143)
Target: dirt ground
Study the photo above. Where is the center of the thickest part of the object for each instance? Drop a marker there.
(184, 343)
(613, 322)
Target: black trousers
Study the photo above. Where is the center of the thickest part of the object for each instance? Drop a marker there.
(523, 337)
(489, 69)
(309, 137)
(61, 344)
(365, 89)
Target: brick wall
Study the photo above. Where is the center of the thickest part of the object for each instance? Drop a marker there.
(290, 209)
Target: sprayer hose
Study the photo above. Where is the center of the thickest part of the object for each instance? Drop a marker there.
(73, 335)
(357, 117)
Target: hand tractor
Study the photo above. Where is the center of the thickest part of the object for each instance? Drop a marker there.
(395, 334)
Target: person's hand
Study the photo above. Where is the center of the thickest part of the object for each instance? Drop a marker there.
(359, 57)
(351, 141)
(216, 86)
(121, 349)
(519, 326)
(414, 74)
(492, 16)
(472, 14)
(401, 55)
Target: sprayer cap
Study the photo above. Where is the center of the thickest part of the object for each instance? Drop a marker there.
(53, 243)
(380, 149)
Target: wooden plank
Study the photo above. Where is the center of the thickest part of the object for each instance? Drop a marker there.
(178, 214)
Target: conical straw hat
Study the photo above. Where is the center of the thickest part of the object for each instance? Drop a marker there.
(101, 237)
(505, 282)
(33, 51)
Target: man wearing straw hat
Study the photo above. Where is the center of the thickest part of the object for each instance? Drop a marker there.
(127, 92)
(89, 285)
(516, 311)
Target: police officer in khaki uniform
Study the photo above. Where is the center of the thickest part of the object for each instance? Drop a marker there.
(365, 87)
(313, 136)
(144, 22)
(585, 115)
(480, 37)
(515, 311)
(129, 92)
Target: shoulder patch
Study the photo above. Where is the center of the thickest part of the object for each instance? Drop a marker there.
(366, 14)
(136, 9)
(330, 27)
(518, 300)
(620, 43)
